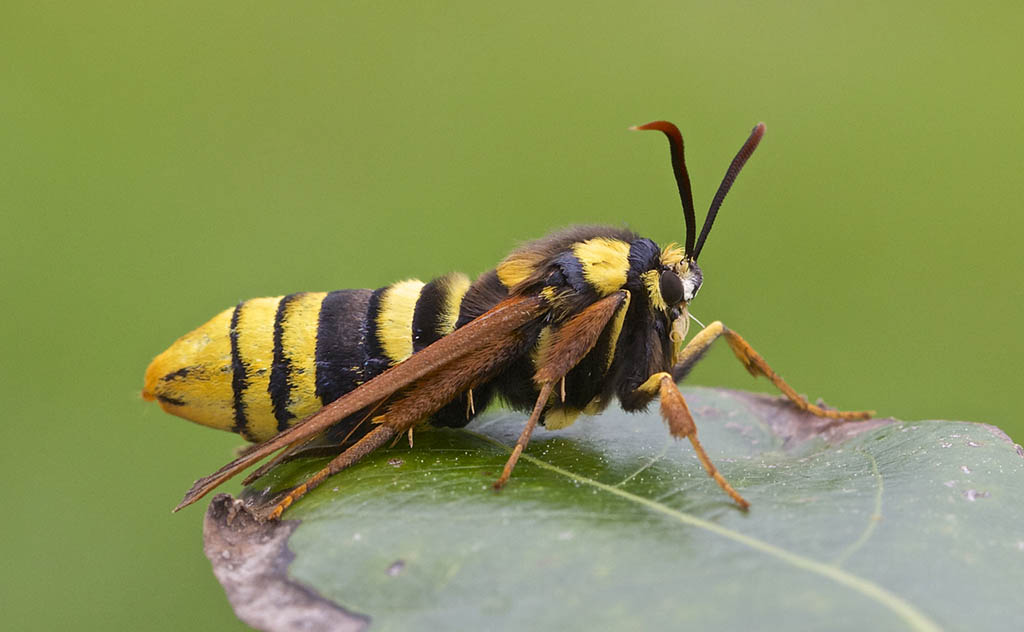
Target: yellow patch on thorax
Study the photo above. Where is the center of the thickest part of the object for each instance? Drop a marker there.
(605, 263)
(394, 319)
(616, 330)
(558, 418)
(672, 255)
(517, 267)
(652, 281)
(541, 346)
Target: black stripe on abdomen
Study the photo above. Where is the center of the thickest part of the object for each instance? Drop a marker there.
(280, 387)
(373, 348)
(343, 361)
(437, 309)
(239, 379)
(426, 320)
(486, 292)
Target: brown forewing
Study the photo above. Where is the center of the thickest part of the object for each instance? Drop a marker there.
(442, 367)
(576, 338)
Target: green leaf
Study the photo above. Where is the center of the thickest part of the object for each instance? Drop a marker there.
(611, 524)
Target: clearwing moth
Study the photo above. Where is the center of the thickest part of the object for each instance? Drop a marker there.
(562, 326)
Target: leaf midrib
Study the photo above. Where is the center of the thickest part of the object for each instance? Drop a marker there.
(916, 619)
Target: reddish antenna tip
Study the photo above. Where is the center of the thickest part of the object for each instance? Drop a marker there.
(675, 140)
(675, 143)
(661, 126)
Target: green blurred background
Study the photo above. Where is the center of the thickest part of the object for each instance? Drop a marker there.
(160, 163)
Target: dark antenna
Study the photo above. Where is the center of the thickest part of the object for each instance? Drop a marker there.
(730, 177)
(675, 144)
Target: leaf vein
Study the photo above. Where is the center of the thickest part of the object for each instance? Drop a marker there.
(654, 459)
(873, 519)
(913, 617)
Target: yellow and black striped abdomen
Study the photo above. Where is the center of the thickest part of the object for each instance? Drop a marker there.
(244, 370)
(261, 366)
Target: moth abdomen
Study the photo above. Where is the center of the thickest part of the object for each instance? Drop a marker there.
(260, 366)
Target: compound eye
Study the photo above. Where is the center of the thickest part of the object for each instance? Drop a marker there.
(671, 287)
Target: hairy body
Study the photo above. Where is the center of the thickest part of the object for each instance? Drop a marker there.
(562, 325)
(263, 365)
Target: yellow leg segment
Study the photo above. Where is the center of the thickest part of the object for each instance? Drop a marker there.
(756, 365)
(681, 426)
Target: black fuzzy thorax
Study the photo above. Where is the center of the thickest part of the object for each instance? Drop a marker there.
(642, 348)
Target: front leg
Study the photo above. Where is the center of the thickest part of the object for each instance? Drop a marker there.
(681, 426)
(755, 364)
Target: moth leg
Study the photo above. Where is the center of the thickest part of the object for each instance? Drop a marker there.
(755, 364)
(524, 436)
(681, 426)
(569, 344)
(375, 439)
(281, 457)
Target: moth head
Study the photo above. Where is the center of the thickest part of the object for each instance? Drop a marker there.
(678, 280)
(688, 276)
(680, 284)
